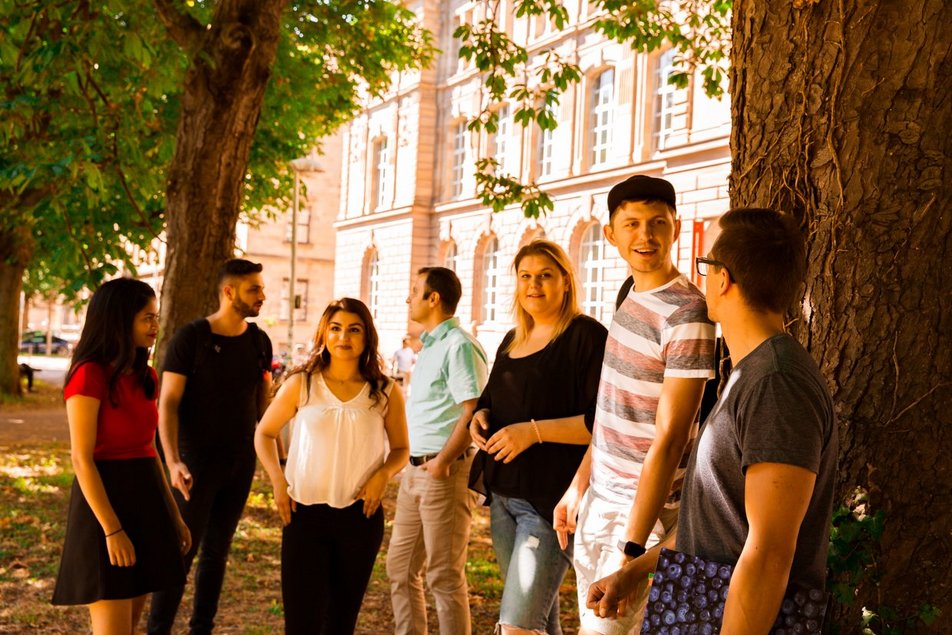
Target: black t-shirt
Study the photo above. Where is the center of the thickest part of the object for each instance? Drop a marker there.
(775, 408)
(219, 409)
(559, 381)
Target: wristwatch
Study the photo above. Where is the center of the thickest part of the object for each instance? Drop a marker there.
(631, 549)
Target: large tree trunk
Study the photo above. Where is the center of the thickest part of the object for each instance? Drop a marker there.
(841, 115)
(16, 249)
(224, 89)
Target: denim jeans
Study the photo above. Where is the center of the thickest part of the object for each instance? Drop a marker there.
(532, 564)
(217, 500)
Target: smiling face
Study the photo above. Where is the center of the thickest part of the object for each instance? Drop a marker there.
(145, 325)
(345, 337)
(643, 233)
(540, 287)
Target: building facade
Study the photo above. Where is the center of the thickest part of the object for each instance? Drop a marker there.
(408, 188)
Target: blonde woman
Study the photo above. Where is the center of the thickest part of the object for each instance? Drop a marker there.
(532, 426)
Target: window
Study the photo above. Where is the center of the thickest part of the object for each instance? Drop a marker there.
(501, 138)
(603, 90)
(493, 271)
(459, 158)
(671, 105)
(546, 146)
(371, 283)
(300, 300)
(303, 227)
(381, 173)
(592, 263)
(451, 259)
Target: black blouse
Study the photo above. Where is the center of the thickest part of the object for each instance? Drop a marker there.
(559, 381)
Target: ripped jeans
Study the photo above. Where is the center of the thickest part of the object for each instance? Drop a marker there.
(532, 564)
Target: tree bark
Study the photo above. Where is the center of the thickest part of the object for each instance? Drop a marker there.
(16, 249)
(841, 115)
(225, 85)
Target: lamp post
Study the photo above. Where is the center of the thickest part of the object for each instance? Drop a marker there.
(310, 165)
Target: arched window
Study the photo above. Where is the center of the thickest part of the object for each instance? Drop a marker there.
(373, 285)
(451, 257)
(592, 263)
(493, 271)
(603, 94)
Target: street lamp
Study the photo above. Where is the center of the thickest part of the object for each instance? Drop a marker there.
(310, 165)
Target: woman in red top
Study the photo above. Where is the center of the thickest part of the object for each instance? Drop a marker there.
(124, 535)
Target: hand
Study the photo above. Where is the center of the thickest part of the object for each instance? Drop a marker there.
(478, 427)
(437, 468)
(372, 492)
(510, 442)
(121, 551)
(565, 515)
(180, 478)
(184, 535)
(610, 596)
(284, 503)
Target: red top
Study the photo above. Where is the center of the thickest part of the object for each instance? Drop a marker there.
(123, 432)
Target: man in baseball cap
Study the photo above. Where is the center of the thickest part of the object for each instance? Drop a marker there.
(659, 354)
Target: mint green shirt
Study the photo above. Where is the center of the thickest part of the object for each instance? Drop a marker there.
(450, 369)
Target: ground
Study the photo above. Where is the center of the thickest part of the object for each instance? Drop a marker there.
(35, 477)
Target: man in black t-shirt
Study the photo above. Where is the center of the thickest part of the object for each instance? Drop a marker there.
(758, 491)
(216, 378)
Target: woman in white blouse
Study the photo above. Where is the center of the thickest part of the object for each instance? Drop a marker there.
(345, 413)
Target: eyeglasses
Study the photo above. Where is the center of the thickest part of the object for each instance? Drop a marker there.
(703, 266)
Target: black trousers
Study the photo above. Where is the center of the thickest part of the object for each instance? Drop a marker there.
(327, 558)
(220, 489)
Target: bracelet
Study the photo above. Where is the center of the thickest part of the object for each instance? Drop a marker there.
(115, 532)
(535, 427)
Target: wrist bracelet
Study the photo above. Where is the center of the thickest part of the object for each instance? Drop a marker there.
(115, 532)
(535, 427)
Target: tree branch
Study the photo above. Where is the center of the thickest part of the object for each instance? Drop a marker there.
(183, 28)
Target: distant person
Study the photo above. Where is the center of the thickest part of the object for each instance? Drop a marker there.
(124, 536)
(434, 504)
(532, 426)
(346, 414)
(26, 372)
(216, 379)
(759, 486)
(403, 360)
(659, 355)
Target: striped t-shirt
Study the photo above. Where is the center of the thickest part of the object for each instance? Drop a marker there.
(664, 332)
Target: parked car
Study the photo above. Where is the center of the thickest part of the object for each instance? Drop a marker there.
(34, 342)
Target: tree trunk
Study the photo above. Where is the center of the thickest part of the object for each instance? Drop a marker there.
(841, 115)
(16, 248)
(224, 90)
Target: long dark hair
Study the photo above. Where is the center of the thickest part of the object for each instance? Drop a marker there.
(370, 363)
(107, 334)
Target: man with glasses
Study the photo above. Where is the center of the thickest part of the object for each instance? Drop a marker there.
(659, 355)
(759, 485)
(216, 381)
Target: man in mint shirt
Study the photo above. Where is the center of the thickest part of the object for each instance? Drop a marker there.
(434, 505)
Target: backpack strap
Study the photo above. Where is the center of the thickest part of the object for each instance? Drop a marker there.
(623, 292)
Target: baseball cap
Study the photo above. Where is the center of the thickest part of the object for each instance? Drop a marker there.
(641, 187)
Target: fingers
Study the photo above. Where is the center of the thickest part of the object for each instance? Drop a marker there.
(121, 551)
(186, 539)
(477, 438)
(563, 538)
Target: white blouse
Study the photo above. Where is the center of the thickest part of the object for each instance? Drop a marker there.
(335, 445)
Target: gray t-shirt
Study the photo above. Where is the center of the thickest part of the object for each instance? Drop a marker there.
(775, 408)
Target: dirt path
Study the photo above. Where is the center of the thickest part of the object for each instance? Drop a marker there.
(33, 426)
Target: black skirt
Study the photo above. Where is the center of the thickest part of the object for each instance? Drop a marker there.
(134, 488)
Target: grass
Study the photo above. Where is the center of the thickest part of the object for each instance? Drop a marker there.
(45, 395)
(34, 490)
